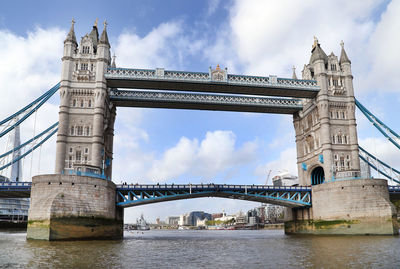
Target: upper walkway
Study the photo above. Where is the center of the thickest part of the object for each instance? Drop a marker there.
(217, 102)
(161, 79)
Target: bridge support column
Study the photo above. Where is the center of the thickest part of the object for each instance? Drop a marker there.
(67, 207)
(348, 207)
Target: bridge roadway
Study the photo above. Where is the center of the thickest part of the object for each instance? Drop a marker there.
(140, 194)
(160, 79)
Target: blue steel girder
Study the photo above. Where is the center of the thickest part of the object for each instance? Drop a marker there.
(201, 101)
(15, 189)
(134, 195)
(204, 82)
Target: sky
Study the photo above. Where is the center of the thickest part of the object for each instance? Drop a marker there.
(251, 37)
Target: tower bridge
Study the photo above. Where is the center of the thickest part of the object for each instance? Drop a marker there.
(79, 201)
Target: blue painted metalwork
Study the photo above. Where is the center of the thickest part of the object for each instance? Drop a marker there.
(49, 92)
(385, 172)
(321, 158)
(29, 151)
(389, 133)
(160, 78)
(15, 189)
(206, 77)
(206, 101)
(29, 141)
(304, 166)
(134, 195)
(86, 174)
(317, 176)
(40, 101)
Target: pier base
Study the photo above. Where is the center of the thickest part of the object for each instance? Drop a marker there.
(65, 207)
(348, 207)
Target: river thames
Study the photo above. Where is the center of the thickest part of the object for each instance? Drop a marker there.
(203, 249)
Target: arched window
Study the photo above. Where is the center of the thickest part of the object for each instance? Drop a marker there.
(82, 103)
(339, 139)
(310, 142)
(90, 103)
(74, 103)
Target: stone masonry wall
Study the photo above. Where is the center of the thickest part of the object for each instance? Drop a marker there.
(62, 195)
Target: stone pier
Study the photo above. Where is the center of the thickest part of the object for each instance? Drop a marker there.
(73, 207)
(348, 207)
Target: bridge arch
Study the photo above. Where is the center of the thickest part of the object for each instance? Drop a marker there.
(317, 175)
(135, 195)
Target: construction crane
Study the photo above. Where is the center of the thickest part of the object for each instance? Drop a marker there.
(269, 174)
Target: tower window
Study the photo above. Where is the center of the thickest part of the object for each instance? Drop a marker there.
(76, 67)
(86, 150)
(85, 49)
(70, 150)
(72, 133)
(84, 66)
(87, 130)
(333, 67)
(339, 139)
(80, 130)
(345, 139)
(91, 67)
(78, 155)
(335, 82)
(81, 103)
(90, 103)
(74, 103)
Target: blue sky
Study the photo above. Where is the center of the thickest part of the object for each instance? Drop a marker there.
(247, 37)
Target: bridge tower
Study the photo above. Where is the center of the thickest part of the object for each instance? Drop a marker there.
(86, 117)
(326, 134)
(327, 152)
(78, 201)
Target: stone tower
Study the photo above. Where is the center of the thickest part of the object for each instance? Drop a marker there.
(326, 134)
(86, 117)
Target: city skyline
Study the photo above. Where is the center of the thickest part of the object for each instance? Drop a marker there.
(156, 145)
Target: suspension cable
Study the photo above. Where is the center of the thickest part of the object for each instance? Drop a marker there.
(27, 115)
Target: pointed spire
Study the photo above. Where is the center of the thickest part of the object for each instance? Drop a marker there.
(113, 65)
(104, 36)
(71, 35)
(94, 35)
(317, 52)
(294, 72)
(343, 55)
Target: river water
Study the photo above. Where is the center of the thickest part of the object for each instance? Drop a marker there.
(203, 249)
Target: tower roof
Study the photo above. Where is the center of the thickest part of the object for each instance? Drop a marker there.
(71, 35)
(317, 53)
(104, 36)
(343, 55)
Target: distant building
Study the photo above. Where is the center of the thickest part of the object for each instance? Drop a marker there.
(285, 179)
(365, 169)
(172, 220)
(190, 219)
(216, 215)
(226, 217)
(14, 210)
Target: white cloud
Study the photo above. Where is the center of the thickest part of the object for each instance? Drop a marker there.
(165, 46)
(287, 161)
(30, 65)
(216, 153)
(383, 55)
